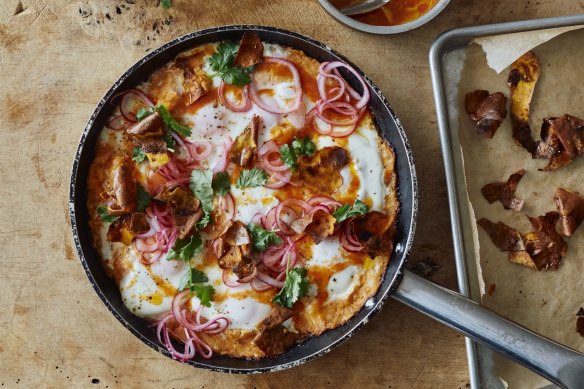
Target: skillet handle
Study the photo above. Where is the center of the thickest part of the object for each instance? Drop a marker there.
(559, 364)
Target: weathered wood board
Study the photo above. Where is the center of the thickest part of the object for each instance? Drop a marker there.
(57, 59)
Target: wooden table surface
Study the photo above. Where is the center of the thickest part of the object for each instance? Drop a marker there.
(57, 59)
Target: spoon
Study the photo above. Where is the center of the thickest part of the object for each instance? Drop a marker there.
(363, 6)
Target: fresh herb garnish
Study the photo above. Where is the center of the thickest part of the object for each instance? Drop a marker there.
(202, 187)
(295, 287)
(204, 221)
(104, 216)
(289, 155)
(204, 293)
(193, 280)
(169, 140)
(346, 211)
(143, 112)
(261, 238)
(166, 4)
(221, 183)
(171, 123)
(138, 155)
(251, 178)
(222, 64)
(144, 198)
(185, 249)
(303, 146)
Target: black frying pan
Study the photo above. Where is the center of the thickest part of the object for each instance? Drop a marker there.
(555, 362)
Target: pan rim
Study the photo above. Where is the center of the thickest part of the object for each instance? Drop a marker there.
(404, 250)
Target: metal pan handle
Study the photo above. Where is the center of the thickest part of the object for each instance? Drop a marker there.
(559, 364)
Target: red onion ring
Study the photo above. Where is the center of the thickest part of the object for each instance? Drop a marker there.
(117, 123)
(364, 98)
(269, 280)
(348, 239)
(227, 281)
(295, 79)
(128, 112)
(224, 160)
(244, 107)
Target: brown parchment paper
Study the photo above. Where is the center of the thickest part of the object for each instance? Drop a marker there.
(546, 302)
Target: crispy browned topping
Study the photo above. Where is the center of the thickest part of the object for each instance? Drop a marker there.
(236, 246)
(521, 81)
(580, 326)
(486, 110)
(151, 125)
(571, 208)
(273, 338)
(542, 249)
(319, 225)
(322, 170)
(126, 227)
(244, 148)
(123, 188)
(563, 140)
(503, 236)
(185, 207)
(251, 51)
(505, 192)
(375, 231)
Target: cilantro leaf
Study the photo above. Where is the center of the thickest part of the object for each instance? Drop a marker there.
(346, 211)
(201, 186)
(143, 112)
(204, 293)
(185, 249)
(104, 216)
(237, 76)
(221, 183)
(261, 238)
(171, 123)
(295, 287)
(169, 140)
(288, 156)
(303, 146)
(205, 220)
(224, 56)
(138, 155)
(222, 64)
(251, 178)
(144, 198)
(193, 279)
(166, 4)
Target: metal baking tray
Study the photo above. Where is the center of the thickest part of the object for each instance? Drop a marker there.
(447, 44)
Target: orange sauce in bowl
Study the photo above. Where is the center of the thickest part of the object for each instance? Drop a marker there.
(393, 13)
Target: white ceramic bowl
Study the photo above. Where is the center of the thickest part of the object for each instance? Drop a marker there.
(384, 30)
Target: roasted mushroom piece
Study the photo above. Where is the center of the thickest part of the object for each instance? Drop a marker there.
(123, 188)
(375, 231)
(273, 338)
(151, 126)
(250, 52)
(521, 81)
(322, 170)
(125, 228)
(563, 141)
(235, 252)
(486, 110)
(319, 225)
(185, 207)
(244, 148)
(505, 192)
(542, 249)
(571, 209)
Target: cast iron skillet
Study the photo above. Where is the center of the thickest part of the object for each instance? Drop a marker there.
(549, 359)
